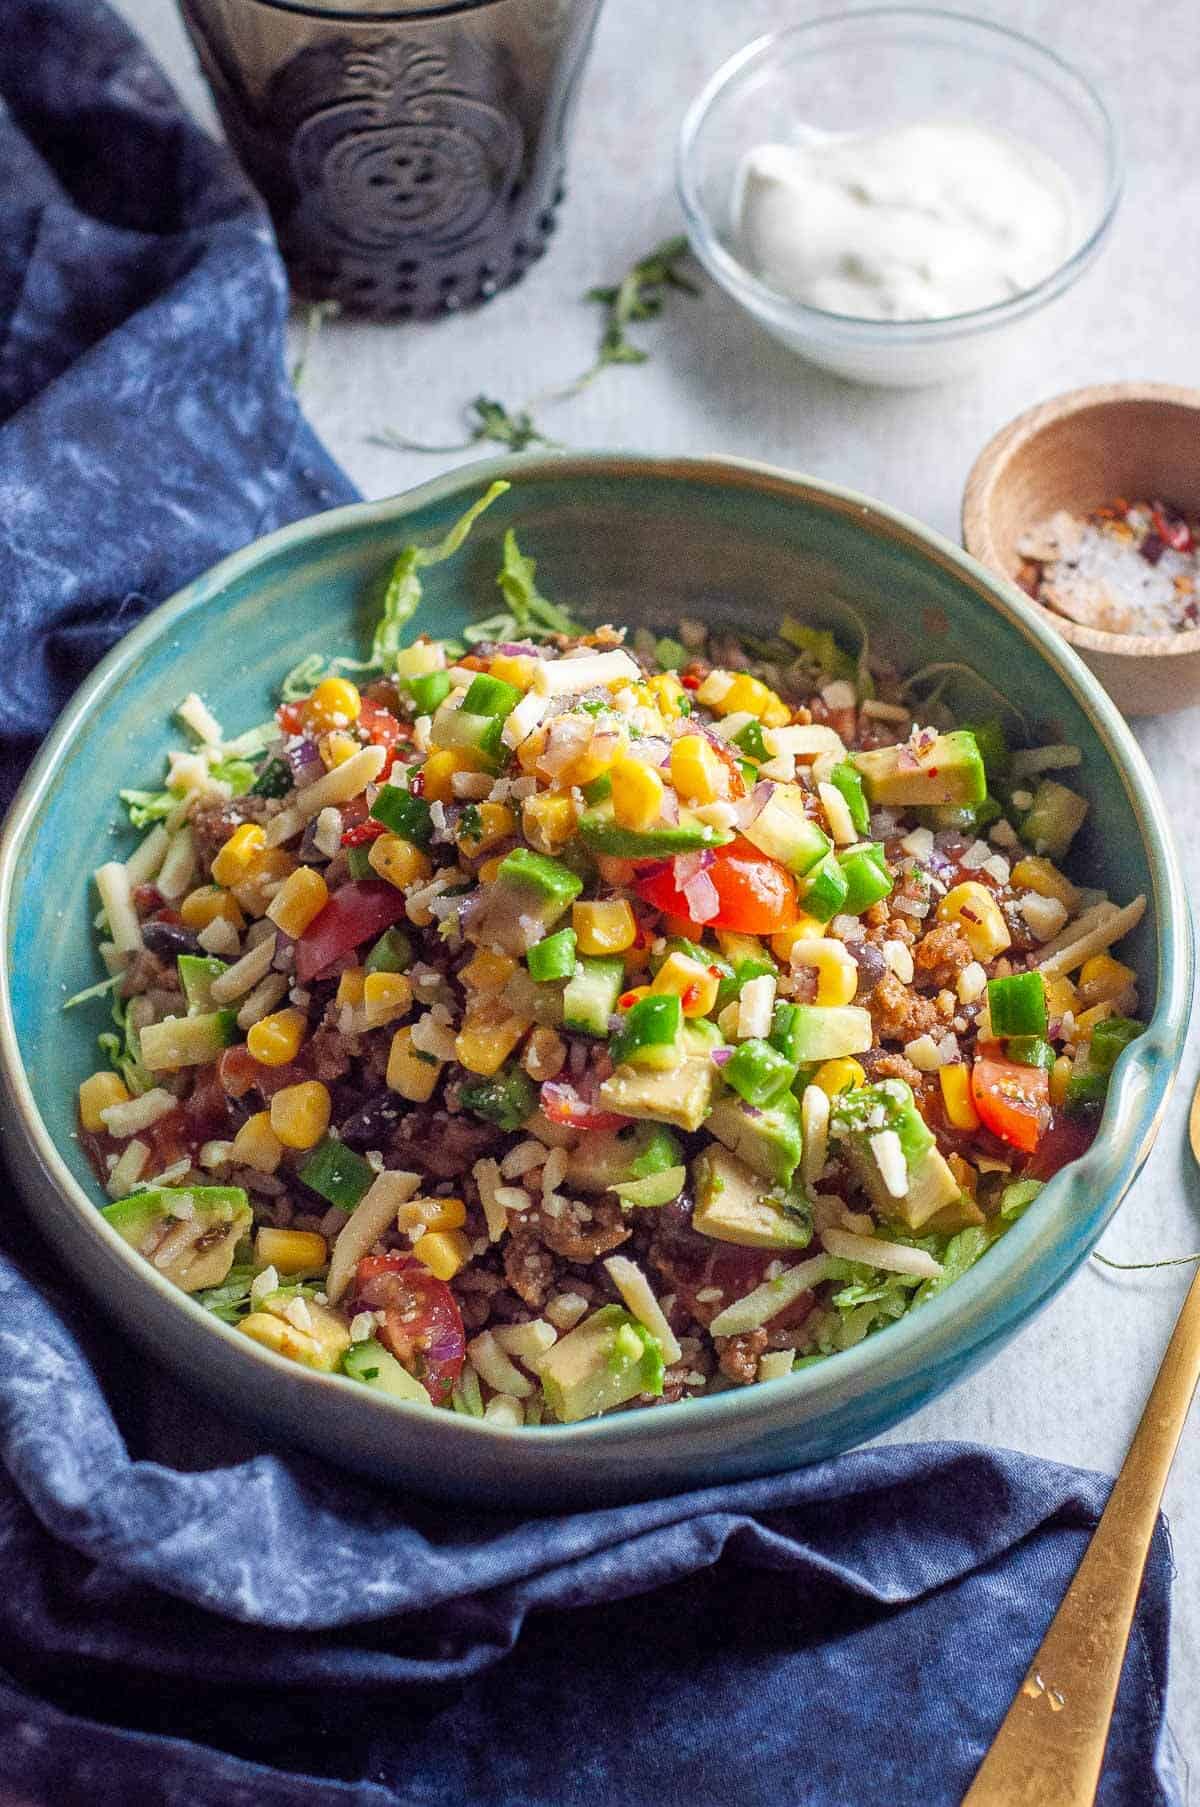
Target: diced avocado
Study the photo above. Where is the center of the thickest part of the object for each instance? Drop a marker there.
(608, 1157)
(766, 1137)
(655, 1189)
(546, 879)
(590, 998)
(1053, 819)
(948, 770)
(605, 1361)
(784, 832)
(862, 1111)
(732, 1205)
(196, 975)
(529, 889)
(967, 818)
(602, 834)
(187, 1041)
(377, 1367)
(861, 1114)
(931, 1187)
(825, 1032)
(680, 1096)
(205, 1224)
(993, 746)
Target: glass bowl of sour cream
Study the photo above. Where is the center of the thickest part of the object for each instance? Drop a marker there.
(894, 191)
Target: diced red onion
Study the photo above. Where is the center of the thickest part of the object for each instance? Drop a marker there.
(670, 807)
(719, 1056)
(517, 649)
(751, 807)
(687, 865)
(310, 853)
(701, 897)
(304, 762)
(284, 957)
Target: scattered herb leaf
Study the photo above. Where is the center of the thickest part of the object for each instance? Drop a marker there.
(315, 317)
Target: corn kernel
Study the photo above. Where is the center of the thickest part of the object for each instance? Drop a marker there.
(413, 1074)
(1103, 980)
(594, 761)
(350, 987)
(487, 971)
(335, 703)
(1062, 999)
(744, 695)
(496, 823)
(603, 928)
(301, 897)
(486, 873)
(488, 1037)
(1033, 873)
(956, 1096)
(269, 867)
(805, 928)
(548, 820)
(514, 668)
(337, 747)
(697, 770)
(1060, 1078)
(637, 794)
(237, 856)
(1086, 1021)
(682, 977)
(385, 997)
(300, 1113)
(668, 694)
(841, 1075)
(256, 1145)
(97, 1094)
(290, 1251)
(432, 1214)
(440, 767)
(276, 1039)
(401, 862)
(203, 906)
(531, 750)
(321, 1346)
(444, 1252)
(837, 973)
(979, 916)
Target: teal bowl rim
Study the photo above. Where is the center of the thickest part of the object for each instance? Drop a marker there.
(984, 1307)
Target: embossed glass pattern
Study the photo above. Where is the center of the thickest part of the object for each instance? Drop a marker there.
(411, 155)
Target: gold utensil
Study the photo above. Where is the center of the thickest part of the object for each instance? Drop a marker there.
(1050, 1748)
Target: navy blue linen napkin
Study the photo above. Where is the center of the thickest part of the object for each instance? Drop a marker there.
(190, 1616)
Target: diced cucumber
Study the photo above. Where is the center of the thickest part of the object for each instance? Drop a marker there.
(826, 889)
(819, 1032)
(784, 832)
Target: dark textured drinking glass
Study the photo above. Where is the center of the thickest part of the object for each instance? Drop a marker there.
(411, 154)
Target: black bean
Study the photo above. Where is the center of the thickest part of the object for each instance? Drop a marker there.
(871, 963)
(371, 1124)
(167, 939)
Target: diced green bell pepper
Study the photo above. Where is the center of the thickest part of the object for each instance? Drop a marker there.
(1109, 1038)
(507, 1098)
(758, 1072)
(867, 877)
(491, 696)
(358, 863)
(429, 691)
(553, 958)
(1017, 1004)
(750, 740)
(598, 790)
(847, 779)
(648, 1027)
(338, 1174)
(392, 953)
(825, 891)
(404, 814)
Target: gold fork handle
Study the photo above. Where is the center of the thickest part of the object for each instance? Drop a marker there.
(1050, 1748)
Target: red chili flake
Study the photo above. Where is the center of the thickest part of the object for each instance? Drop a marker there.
(416, 783)
(690, 681)
(716, 972)
(689, 998)
(627, 1000)
(369, 830)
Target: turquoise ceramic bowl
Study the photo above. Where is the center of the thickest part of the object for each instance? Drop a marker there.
(626, 540)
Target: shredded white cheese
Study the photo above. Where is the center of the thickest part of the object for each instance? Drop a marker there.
(755, 1005)
(136, 1114)
(638, 1295)
(891, 1257)
(769, 1299)
(492, 1365)
(195, 714)
(889, 1158)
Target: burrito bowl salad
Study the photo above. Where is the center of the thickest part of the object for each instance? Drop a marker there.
(558, 1021)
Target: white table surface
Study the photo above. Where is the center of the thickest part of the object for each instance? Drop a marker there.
(1072, 1385)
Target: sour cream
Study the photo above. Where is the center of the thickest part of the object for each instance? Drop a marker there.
(915, 222)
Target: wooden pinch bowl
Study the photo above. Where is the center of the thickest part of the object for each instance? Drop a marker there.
(1139, 440)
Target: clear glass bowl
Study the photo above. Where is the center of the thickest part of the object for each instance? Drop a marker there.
(891, 66)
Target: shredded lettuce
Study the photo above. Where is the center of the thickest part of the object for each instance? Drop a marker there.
(231, 1300)
(122, 1051)
(530, 615)
(238, 774)
(402, 597)
(99, 990)
(961, 1252)
(145, 808)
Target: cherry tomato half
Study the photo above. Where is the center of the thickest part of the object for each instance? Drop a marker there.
(757, 896)
(354, 914)
(1013, 1101)
(382, 730)
(422, 1325)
